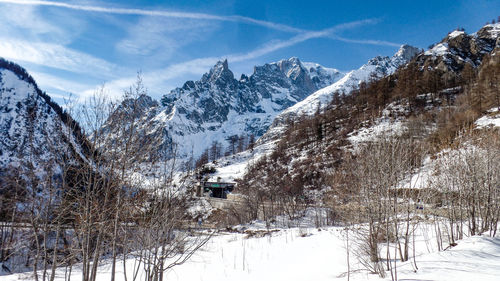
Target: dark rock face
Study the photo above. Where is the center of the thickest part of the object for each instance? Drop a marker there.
(137, 108)
(459, 48)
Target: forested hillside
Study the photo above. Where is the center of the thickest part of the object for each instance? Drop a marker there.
(426, 107)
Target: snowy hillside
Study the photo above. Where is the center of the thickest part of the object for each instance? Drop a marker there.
(452, 53)
(34, 130)
(375, 68)
(232, 167)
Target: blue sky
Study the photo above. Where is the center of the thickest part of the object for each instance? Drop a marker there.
(76, 46)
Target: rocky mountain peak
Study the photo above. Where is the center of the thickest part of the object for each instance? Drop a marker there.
(490, 31)
(459, 48)
(406, 52)
(221, 107)
(137, 107)
(143, 101)
(219, 74)
(291, 67)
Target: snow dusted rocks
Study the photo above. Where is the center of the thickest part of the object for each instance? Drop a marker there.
(490, 120)
(459, 48)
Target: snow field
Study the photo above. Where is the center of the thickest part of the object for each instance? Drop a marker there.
(310, 253)
(490, 120)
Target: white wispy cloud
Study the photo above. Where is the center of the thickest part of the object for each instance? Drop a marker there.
(157, 80)
(155, 33)
(29, 24)
(299, 38)
(25, 33)
(47, 81)
(366, 41)
(161, 37)
(159, 13)
(56, 56)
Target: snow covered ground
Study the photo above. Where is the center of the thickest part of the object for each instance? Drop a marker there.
(233, 167)
(474, 258)
(490, 120)
(381, 128)
(308, 253)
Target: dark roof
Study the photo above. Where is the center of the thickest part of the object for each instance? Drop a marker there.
(218, 184)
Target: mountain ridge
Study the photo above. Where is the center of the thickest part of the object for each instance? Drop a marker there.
(219, 108)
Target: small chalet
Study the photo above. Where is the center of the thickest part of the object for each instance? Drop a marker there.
(218, 189)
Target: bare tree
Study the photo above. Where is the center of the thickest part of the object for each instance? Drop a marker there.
(469, 179)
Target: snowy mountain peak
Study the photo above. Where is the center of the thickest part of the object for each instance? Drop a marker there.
(490, 30)
(456, 33)
(143, 101)
(459, 48)
(218, 107)
(220, 73)
(293, 61)
(34, 129)
(291, 67)
(136, 108)
(406, 52)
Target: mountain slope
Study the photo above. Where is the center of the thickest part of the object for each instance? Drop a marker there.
(459, 48)
(34, 130)
(427, 100)
(374, 69)
(452, 53)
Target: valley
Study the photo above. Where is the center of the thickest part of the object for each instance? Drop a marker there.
(295, 171)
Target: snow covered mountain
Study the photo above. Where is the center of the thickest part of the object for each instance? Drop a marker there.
(375, 68)
(33, 130)
(459, 48)
(219, 108)
(452, 53)
(417, 93)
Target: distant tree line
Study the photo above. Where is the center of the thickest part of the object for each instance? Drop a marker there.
(236, 144)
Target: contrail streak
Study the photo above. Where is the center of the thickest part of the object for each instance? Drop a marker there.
(158, 13)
